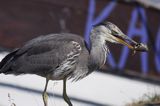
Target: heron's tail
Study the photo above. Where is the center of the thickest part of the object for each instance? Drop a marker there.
(5, 64)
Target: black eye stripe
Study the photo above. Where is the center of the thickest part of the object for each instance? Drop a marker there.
(113, 28)
(110, 27)
(114, 32)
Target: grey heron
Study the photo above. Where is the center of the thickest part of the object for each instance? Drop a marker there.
(64, 56)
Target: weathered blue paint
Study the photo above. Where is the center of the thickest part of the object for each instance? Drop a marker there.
(157, 54)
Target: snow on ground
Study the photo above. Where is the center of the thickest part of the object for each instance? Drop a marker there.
(97, 89)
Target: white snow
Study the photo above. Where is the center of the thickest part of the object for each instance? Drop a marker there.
(97, 87)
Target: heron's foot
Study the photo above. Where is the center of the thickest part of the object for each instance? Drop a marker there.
(45, 98)
(66, 98)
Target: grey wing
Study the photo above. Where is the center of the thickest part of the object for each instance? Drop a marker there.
(58, 57)
(67, 66)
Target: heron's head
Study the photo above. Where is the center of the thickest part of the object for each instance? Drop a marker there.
(111, 33)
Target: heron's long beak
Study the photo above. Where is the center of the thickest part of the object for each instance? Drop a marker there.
(125, 40)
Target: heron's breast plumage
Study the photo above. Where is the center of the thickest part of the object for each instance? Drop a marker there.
(71, 66)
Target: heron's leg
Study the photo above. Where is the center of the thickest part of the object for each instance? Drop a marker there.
(65, 97)
(45, 95)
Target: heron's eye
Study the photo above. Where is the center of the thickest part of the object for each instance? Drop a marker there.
(114, 32)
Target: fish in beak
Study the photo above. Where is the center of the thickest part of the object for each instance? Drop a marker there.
(133, 45)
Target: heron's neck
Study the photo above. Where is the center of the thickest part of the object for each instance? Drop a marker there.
(98, 52)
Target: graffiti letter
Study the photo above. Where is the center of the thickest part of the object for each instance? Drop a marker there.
(157, 54)
(133, 31)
